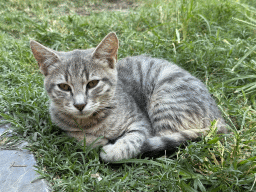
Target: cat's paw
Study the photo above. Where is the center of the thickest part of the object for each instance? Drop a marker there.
(111, 153)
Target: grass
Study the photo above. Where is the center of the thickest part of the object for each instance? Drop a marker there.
(212, 39)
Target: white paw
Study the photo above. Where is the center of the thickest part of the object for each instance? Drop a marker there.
(114, 152)
(110, 154)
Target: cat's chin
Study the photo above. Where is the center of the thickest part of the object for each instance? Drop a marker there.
(82, 115)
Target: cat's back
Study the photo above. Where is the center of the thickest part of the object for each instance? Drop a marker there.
(170, 96)
(143, 77)
(147, 73)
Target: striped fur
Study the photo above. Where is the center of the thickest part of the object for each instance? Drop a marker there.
(138, 104)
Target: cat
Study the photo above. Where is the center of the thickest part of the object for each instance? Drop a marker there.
(137, 105)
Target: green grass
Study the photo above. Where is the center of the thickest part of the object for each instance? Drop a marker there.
(213, 39)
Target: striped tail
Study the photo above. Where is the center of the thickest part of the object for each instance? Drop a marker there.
(161, 143)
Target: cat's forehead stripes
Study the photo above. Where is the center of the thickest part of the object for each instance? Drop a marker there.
(77, 66)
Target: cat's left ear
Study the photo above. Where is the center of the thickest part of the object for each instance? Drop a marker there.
(107, 49)
(45, 57)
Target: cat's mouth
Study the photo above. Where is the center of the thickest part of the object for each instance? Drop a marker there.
(82, 114)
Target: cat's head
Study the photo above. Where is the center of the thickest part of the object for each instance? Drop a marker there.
(79, 82)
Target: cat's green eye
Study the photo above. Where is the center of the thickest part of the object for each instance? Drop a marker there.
(64, 87)
(92, 84)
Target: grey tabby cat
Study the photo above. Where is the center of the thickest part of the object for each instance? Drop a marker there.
(138, 104)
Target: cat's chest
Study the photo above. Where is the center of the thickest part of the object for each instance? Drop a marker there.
(108, 128)
(114, 124)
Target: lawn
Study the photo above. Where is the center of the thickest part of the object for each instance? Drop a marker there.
(215, 40)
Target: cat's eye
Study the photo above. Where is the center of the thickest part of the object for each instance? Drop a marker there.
(92, 84)
(64, 87)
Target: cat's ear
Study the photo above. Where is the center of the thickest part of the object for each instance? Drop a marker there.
(107, 49)
(44, 56)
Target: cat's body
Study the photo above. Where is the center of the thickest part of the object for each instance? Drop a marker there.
(139, 104)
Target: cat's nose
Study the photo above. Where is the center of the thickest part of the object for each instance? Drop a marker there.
(80, 107)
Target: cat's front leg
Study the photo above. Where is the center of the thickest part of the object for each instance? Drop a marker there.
(128, 146)
(80, 136)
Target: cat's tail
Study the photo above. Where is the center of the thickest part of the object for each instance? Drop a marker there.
(162, 143)
(170, 142)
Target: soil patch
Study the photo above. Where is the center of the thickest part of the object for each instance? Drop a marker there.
(107, 5)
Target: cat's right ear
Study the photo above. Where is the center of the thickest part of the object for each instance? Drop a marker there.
(107, 50)
(44, 56)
